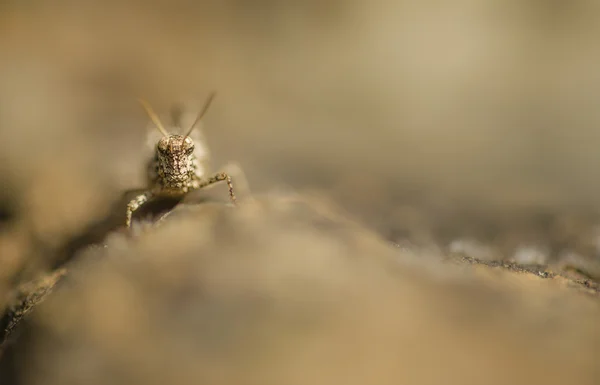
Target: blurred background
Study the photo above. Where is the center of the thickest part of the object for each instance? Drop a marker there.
(465, 126)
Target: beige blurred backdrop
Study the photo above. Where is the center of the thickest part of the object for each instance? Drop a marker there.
(427, 120)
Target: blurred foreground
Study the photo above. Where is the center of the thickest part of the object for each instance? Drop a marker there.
(286, 290)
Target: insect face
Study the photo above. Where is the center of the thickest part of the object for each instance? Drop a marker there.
(176, 161)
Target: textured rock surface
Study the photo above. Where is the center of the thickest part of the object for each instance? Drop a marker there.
(287, 290)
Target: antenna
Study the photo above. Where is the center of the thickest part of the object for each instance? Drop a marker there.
(201, 114)
(153, 116)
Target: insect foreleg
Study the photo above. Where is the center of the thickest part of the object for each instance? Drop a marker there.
(218, 177)
(135, 204)
(242, 187)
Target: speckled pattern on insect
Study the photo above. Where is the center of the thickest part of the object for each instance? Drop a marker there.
(175, 169)
(175, 163)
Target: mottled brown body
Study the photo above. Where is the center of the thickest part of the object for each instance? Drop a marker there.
(175, 170)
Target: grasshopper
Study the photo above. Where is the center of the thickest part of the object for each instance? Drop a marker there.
(178, 165)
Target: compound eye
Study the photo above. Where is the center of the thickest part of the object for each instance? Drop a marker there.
(162, 145)
(188, 145)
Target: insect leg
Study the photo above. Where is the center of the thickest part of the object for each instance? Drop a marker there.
(242, 187)
(219, 177)
(126, 195)
(135, 204)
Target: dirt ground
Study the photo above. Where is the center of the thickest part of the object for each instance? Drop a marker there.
(424, 179)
